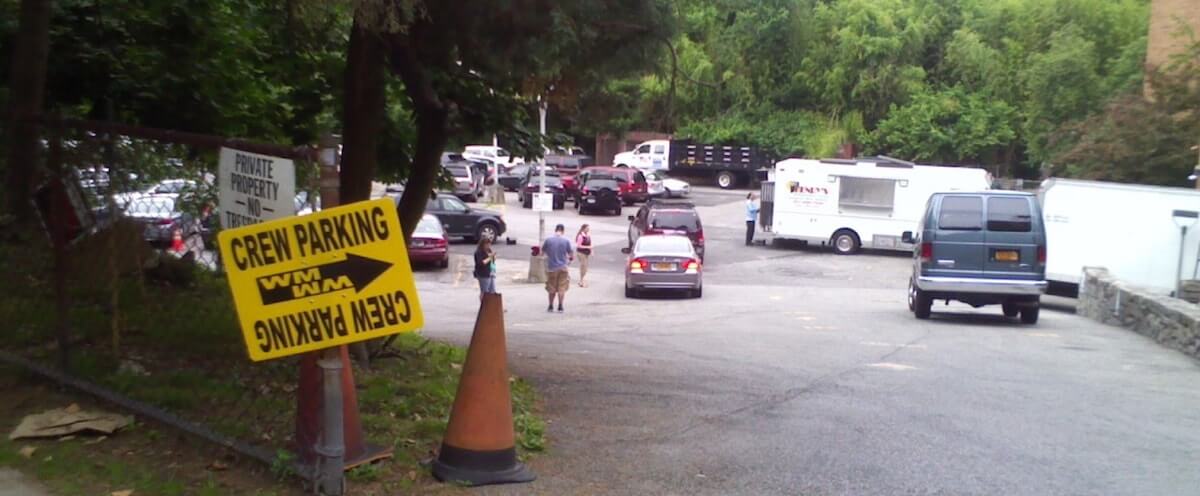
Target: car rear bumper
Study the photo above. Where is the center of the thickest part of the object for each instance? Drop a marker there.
(426, 255)
(980, 285)
(663, 281)
(605, 203)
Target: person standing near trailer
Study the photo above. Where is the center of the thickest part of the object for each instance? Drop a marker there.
(752, 207)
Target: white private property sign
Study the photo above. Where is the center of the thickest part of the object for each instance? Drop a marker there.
(543, 202)
(254, 188)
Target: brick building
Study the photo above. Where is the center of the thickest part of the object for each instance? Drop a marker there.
(1165, 19)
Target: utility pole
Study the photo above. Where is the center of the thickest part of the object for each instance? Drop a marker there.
(537, 266)
(542, 172)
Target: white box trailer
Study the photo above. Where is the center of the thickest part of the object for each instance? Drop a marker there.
(1128, 229)
(848, 204)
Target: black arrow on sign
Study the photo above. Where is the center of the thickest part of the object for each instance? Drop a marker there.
(355, 272)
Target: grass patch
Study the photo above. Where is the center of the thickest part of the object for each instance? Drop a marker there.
(406, 402)
(180, 348)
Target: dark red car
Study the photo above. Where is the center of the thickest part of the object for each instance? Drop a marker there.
(568, 166)
(429, 243)
(632, 181)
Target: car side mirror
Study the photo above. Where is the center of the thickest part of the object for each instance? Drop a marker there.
(907, 237)
(630, 218)
(625, 250)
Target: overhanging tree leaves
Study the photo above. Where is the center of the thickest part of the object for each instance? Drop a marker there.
(1139, 139)
(475, 67)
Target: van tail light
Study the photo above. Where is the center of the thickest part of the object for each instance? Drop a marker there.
(585, 190)
(926, 252)
(691, 266)
(700, 238)
(637, 266)
(1041, 254)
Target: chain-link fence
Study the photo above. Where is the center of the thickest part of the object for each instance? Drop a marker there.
(121, 286)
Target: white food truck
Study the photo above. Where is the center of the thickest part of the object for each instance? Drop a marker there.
(1132, 230)
(856, 203)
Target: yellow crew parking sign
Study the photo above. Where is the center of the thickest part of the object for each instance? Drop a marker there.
(326, 279)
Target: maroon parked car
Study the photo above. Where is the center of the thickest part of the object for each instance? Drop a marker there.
(429, 243)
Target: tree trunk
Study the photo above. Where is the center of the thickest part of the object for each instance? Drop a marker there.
(362, 118)
(363, 113)
(28, 87)
(432, 119)
(432, 134)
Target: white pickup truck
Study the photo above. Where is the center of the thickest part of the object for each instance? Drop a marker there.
(650, 155)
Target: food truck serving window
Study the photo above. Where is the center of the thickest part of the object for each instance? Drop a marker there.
(867, 192)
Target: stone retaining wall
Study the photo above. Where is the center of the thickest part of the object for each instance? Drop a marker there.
(1172, 322)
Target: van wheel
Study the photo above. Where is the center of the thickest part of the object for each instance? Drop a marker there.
(1010, 309)
(845, 242)
(1029, 315)
(726, 180)
(919, 302)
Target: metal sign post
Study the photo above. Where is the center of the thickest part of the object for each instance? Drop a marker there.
(331, 474)
(1183, 219)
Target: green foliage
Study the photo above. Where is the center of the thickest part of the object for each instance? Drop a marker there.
(783, 133)
(1139, 139)
(947, 126)
(283, 466)
(261, 70)
(1020, 68)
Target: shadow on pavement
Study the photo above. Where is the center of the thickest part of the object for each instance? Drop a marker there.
(794, 245)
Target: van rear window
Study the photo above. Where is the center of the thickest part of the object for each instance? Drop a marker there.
(674, 219)
(1009, 215)
(961, 213)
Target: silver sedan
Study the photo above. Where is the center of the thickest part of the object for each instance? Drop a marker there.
(666, 261)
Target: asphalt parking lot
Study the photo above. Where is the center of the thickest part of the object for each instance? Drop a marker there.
(802, 372)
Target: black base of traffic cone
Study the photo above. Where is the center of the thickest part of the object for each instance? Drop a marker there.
(479, 468)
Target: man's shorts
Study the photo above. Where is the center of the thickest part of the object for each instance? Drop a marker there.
(558, 281)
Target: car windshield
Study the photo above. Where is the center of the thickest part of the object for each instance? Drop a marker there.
(619, 179)
(664, 244)
(674, 219)
(550, 180)
(151, 206)
(601, 184)
(170, 187)
(429, 225)
(458, 171)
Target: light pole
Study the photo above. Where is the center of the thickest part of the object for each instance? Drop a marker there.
(542, 173)
(1183, 219)
(537, 266)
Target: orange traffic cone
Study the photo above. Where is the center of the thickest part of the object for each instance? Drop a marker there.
(479, 447)
(177, 242)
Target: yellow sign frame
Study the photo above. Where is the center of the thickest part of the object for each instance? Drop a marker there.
(321, 280)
